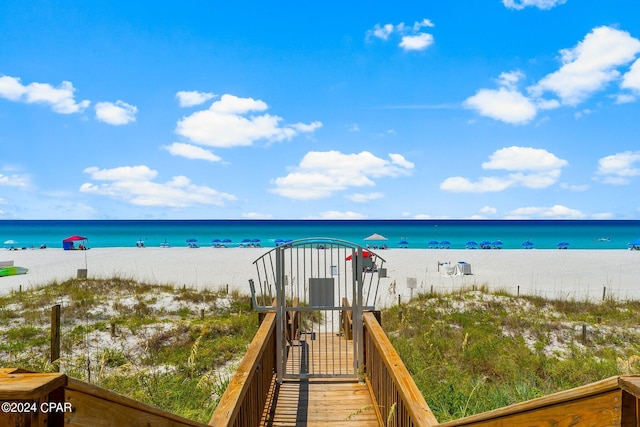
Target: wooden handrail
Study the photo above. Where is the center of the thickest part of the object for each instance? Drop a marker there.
(390, 383)
(60, 400)
(592, 403)
(243, 402)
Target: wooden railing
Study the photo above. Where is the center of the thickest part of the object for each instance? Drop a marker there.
(36, 399)
(245, 402)
(398, 400)
(610, 402)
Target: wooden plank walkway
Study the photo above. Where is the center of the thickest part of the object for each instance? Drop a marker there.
(322, 402)
(321, 399)
(320, 354)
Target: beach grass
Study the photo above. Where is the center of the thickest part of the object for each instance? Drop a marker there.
(471, 351)
(174, 348)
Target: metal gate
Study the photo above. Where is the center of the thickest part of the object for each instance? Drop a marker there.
(319, 288)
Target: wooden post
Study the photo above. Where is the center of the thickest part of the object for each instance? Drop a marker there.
(55, 334)
(202, 314)
(518, 290)
(604, 293)
(584, 333)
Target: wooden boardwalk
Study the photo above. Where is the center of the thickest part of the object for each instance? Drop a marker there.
(322, 402)
(326, 400)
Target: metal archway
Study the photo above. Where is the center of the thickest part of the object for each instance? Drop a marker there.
(319, 288)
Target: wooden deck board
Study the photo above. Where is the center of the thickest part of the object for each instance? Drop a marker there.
(316, 402)
(333, 401)
(321, 353)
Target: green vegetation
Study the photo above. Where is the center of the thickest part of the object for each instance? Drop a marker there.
(469, 351)
(172, 348)
(473, 351)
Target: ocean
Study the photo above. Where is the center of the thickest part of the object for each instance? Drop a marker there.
(418, 234)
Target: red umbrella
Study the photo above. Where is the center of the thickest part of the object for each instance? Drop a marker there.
(74, 239)
(365, 254)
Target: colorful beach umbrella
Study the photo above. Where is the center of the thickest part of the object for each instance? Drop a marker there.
(365, 254)
(74, 239)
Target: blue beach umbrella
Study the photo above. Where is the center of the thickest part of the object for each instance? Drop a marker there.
(433, 243)
(403, 243)
(527, 245)
(471, 244)
(226, 240)
(497, 243)
(563, 244)
(635, 245)
(445, 243)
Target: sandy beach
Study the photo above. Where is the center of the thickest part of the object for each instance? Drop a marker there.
(573, 274)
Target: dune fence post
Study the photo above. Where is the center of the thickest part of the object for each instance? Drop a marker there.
(55, 335)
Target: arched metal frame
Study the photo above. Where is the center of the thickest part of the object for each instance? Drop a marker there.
(312, 284)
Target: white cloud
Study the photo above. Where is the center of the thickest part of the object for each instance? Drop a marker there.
(411, 37)
(353, 127)
(625, 98)
(256, 215)
(321, 174)
(191, 152)
(540, 4)
(602, 215)
(363, 198)
(553, 212)
(118, 113)
(458, 184)
(15, 180)
(523, 158)
(530, 167)
(381, 31)
(339, 215)
(586, 69)
(574, 187)
(418, 25)
(419, 41)
(122, 173)
(631, 80)
(192, 98)
(61, 98)
(619, 168)
(506, 104)
(590, 66)
(134, 185)
(227, 123)
(488, 210)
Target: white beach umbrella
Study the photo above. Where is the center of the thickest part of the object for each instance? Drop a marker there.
(376, 236)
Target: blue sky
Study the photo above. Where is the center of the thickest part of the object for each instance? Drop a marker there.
(200, 109)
